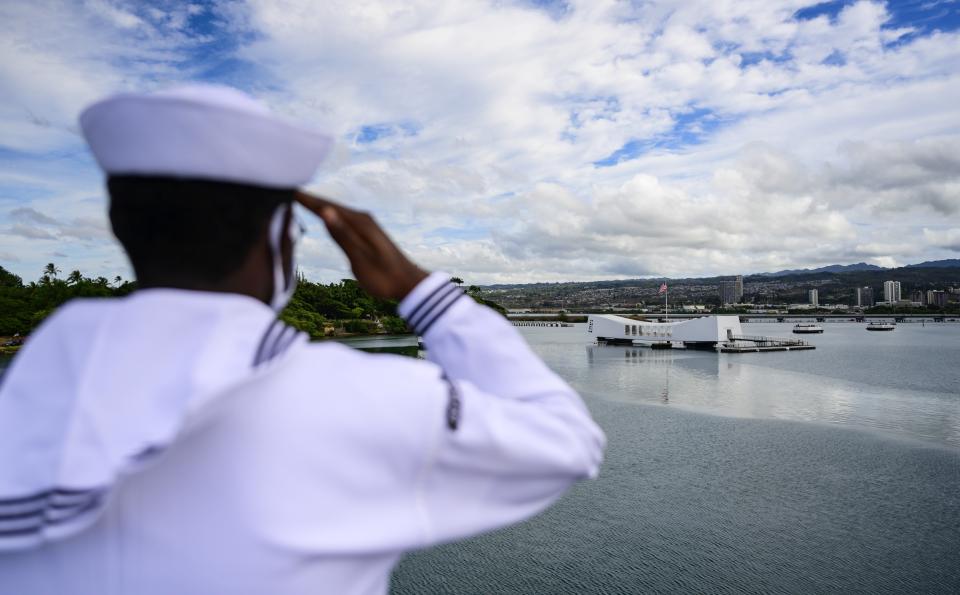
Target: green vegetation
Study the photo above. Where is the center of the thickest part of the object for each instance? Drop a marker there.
(24, 306)
(476, 293)
(340, 308)
(320, 310)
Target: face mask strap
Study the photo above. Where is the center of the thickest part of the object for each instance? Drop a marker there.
(283, 287)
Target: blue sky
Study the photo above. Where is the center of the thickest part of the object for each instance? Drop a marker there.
(529, 140)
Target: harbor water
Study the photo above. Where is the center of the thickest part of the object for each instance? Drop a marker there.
(835, 470)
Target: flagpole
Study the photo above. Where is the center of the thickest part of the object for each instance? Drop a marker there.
(666, 308)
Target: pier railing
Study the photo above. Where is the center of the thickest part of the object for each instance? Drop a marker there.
(767, 341)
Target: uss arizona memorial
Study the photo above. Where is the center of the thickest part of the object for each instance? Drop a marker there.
(722, 333)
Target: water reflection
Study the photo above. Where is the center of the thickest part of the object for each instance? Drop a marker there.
(824, 386)
(712, 504)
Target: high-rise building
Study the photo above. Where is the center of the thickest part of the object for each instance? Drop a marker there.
(865, 297)
(891, 291)
(814, 297)
(730, 291)
(937, 298)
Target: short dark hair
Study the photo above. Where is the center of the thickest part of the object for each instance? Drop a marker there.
(192, 229)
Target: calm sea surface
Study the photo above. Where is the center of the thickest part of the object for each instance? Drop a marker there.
(835, 470)
(828, 471)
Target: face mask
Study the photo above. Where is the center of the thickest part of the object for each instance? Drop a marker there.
(283, 287)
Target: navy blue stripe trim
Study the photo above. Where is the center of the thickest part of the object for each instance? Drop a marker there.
(426, 300)
(416, 323)
(279, 343)
(439, 305)
(268, 340)
(45, 520)
(429, 324)
(15, 532)
(281, 349)
(282, 341)
(437, 300)
(47, 494)
(97, 500)
(46, 506)
(22, 515)
(268, 350)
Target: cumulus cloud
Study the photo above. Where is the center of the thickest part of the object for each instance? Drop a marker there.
(32, 215)
(30, 232)
(947, 238)
(513, 141)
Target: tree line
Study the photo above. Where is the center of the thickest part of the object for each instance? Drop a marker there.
(318, 309)
(23, 306)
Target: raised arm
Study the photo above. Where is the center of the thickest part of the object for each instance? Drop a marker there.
(514, 435)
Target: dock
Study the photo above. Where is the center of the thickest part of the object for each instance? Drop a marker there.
(746, 344)
(540, 323)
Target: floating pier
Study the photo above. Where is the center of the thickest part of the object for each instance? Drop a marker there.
(752, 344)
(540, 323)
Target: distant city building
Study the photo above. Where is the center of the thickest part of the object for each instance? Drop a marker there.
(730, 291)
(865, 297)
(937, 298)
(813, 296)
(891, 292)
(727, 292)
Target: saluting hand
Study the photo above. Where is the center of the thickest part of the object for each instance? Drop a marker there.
(381, 268)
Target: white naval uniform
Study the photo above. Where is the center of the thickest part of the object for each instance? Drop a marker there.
(180, 466)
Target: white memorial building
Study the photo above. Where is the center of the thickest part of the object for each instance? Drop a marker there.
(696, 333)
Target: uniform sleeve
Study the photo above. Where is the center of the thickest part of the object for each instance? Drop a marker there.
(515, 436)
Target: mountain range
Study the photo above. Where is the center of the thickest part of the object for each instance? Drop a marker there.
(862, 266)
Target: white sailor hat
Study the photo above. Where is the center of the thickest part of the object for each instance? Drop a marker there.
(201, 131)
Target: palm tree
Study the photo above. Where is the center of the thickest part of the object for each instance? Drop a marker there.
(75, 277)
(118, 280)
(51, 270)
(456, 280)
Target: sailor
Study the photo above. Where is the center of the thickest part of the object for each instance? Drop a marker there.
(184, 440)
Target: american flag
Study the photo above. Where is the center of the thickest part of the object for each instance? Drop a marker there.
(663, 289)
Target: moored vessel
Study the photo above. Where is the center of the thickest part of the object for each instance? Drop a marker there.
(881, 326)
(807, 329)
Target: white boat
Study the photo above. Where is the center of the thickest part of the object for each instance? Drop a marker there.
(807, 329)
(881, 326)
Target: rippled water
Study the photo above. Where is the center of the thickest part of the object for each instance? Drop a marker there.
(828, 471)
(906, 381)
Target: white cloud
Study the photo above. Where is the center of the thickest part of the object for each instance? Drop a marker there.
(750, 150)
(30, 232)
(946, 238)
(32, 215)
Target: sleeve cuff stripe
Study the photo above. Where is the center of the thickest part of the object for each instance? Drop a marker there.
(426, 327)
(428, 305)
(413, 313)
